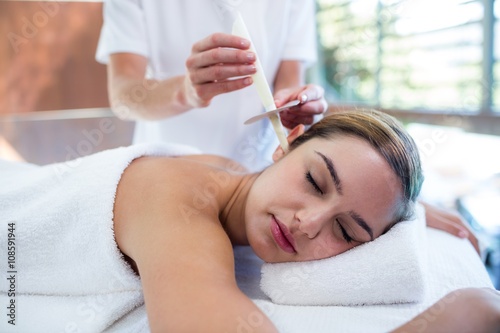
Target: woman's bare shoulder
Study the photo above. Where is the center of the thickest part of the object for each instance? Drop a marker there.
(177, 179)
(169, 189)
(218, 161)
(167, 222)
(168, 225)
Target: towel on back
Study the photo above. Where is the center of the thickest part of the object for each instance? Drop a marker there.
(390, 269)
(68, 271)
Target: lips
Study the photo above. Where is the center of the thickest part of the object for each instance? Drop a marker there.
(282, 236)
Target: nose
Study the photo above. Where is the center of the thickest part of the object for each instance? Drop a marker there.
(313, 220)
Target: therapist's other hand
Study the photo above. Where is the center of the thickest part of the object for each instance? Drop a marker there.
(449, 221)
(312, 102)
(218, 64)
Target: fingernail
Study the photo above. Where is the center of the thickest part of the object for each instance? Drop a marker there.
(247, 81)
(462, 234)
(244, 43)
(303, 98)
(251, 56)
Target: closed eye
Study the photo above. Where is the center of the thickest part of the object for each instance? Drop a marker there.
(311, 180)
(346, 236)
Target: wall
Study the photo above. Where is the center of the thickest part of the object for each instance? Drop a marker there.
(47, 63)
(47, 58)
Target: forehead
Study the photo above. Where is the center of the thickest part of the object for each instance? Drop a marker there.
(369, 184)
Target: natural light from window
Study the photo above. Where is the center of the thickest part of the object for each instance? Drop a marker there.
(413, 54)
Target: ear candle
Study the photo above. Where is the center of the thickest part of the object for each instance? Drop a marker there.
(260, 82)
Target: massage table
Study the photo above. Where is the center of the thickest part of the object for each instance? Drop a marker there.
(452, 264)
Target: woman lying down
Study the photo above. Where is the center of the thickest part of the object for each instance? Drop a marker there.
(123, 221)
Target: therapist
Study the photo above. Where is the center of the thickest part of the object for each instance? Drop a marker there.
(175, 68)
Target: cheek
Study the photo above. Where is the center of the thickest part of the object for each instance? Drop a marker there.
(259, 236)
(326, 247)
(285, 178)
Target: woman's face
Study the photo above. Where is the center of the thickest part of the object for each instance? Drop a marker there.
(321, 199)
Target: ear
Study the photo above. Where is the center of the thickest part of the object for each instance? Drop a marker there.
(296, 132)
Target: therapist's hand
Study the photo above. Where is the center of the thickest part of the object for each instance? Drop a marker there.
(449, 221)
(312, 103)
(218, 64)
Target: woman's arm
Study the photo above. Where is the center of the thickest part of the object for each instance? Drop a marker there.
(189, 284)
(461, 311)
(183, 254)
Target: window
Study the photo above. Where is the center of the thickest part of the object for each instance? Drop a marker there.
(423, 55)
(496, 68)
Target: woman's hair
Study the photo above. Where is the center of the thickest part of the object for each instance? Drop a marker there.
(387, 136)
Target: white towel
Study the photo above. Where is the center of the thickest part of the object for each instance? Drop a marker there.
(390, 269)
(69, 274)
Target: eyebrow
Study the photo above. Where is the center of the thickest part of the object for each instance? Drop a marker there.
(331, 170)
(362, 223)
(338, 185)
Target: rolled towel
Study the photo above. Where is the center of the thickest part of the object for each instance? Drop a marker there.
(390, 269)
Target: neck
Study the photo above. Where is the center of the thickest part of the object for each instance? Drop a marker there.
(233, 215)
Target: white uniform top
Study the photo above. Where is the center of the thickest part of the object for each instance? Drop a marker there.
(164, 32)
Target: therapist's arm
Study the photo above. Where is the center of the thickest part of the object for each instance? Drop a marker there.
(211, 69)
(450, 221)
(289, 86)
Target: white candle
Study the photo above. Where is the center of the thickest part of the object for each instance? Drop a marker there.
(260, 82)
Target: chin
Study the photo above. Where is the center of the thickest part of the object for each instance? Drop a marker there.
(262, 249)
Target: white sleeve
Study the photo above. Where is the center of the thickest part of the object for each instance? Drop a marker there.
(301, 39)
(124, 29)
